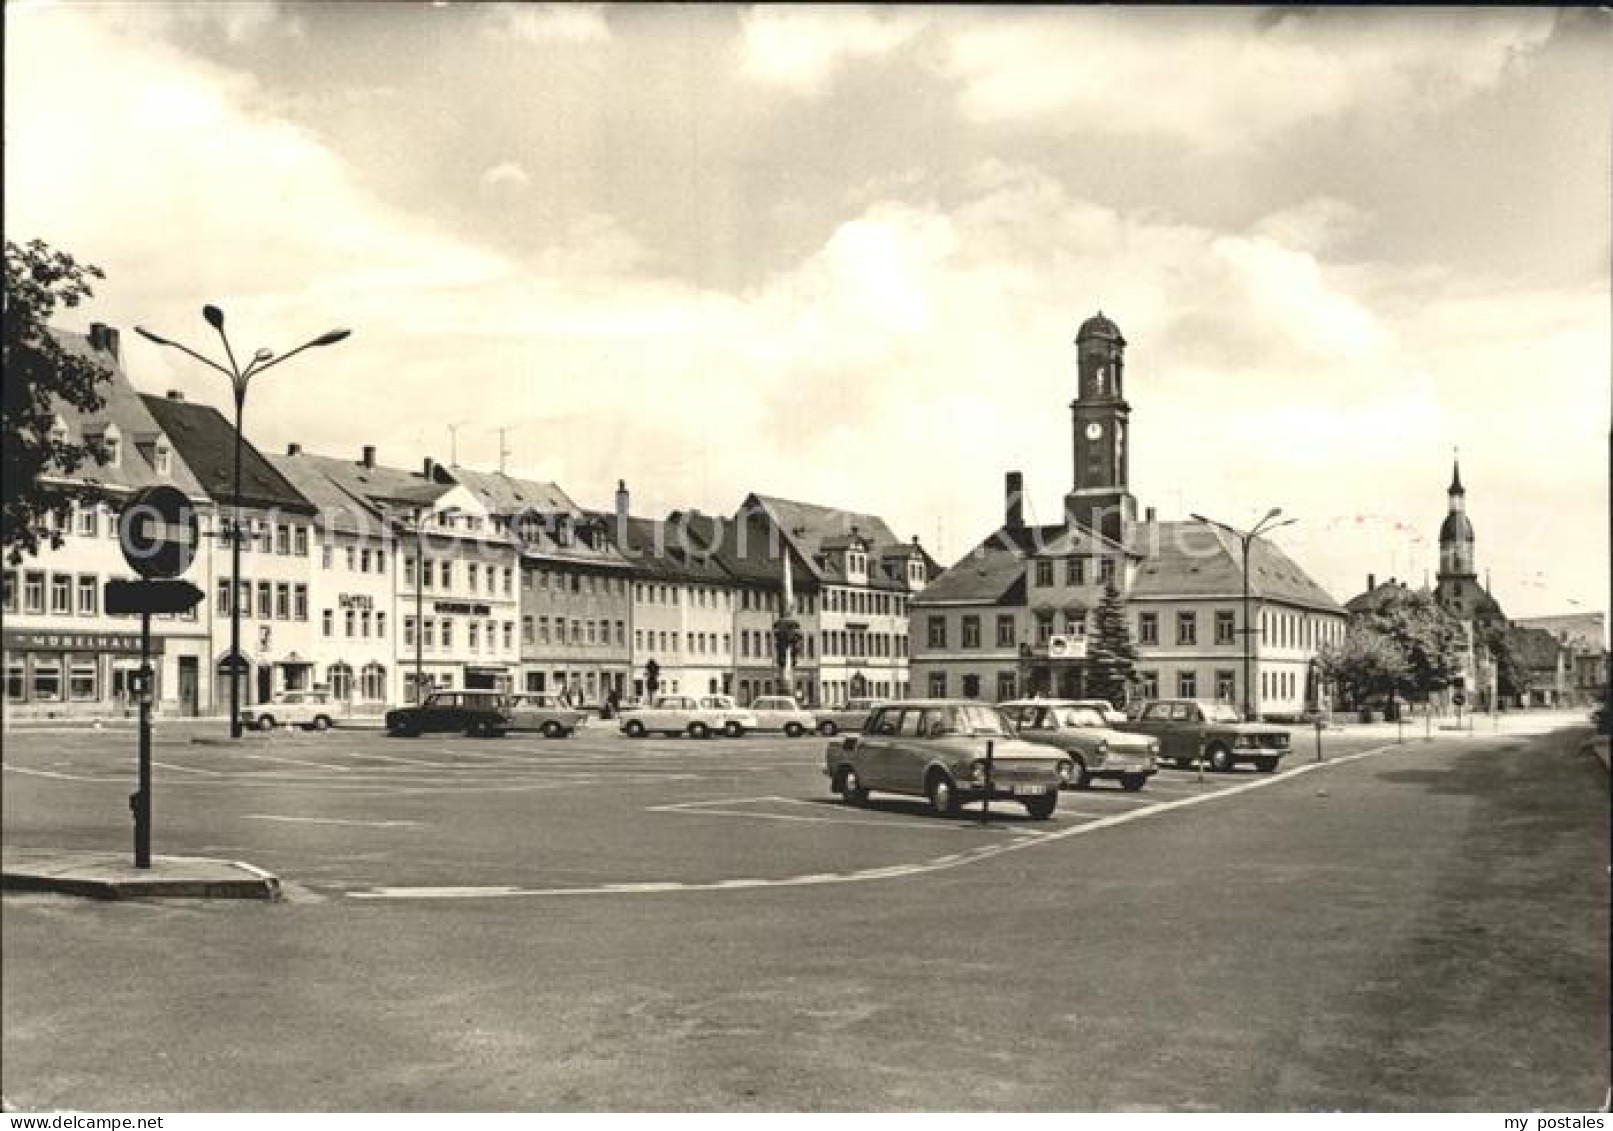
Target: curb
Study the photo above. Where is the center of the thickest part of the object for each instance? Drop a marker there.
(101, 876)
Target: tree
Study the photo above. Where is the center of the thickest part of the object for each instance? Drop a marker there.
(41, 379)
(787, 640)
(1363, 665)
(1511, 678)
(1111, 657)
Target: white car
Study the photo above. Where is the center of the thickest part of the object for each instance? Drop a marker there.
(314, 710)
(736, 720)
(673, 715)
(781, 712)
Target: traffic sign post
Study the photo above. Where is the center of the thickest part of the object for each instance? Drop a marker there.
(158, 531)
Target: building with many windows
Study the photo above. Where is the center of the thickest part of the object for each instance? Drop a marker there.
(1015, 615)
(64, 655)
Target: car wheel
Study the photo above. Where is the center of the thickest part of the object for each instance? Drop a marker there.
(1220, 759)
(698, 730)
(474, 730)
(943, 794)
(266, 722)
(792, 730)
(850, 787)
(1083, 776)
(828, 729)
(1041, 808)
(733, 730)
(1266, 765)
(634, 729)
(551, 729)
(1131, 783)
(321, 723)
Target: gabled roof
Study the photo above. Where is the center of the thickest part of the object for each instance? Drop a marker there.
(126, 409)
(388, 488)
(205, 440)
(990, 574)
(1193, 559)
(1584, 632)
(814, 532)
(507, 495)
(339, 509)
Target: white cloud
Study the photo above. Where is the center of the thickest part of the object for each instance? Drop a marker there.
(548, 23)
(1222, 78)
(801, 47)
(506, 174)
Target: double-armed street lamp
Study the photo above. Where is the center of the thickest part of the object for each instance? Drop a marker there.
(239, 380)
(1265, 526)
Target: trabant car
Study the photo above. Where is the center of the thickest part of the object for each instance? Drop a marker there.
(736, 721)
(1094, 746)
(783, 713)
(311, 709)
(1191, 729)
(936, 749)
(544, 713)
(484, 714)
(851, 717)
(673, 715)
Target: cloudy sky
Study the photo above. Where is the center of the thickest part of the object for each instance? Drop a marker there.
(840, 255)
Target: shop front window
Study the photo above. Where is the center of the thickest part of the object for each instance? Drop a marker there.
(83, 684)
(47, 681)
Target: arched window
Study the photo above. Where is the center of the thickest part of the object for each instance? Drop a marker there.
(340, 678)
(373, 683)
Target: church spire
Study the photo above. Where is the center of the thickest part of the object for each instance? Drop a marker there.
(1456, 474)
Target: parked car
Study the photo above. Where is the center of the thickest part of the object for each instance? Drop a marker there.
(737, 721)
(936, 748)
(1096, 749)
(851, 717)
(544, 713)
(311, 709)
(484, 714)
(673, 715)
(783, 713)
(1191, 729)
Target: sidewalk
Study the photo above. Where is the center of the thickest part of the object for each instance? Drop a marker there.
(110, 875)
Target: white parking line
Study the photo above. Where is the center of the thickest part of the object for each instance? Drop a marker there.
(332, 821)
(938, 864)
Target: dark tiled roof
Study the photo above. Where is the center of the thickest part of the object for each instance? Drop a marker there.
(386, 487)
(668, 550)
(1584, 632)
(988, 574)
(1191, 559)
(139, 430)
(339, 509)
(811, 529)
(205, 440)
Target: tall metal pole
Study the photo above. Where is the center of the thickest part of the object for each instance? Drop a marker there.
(142, 797)
(236, 662)
(1248, 635)
(419, 609)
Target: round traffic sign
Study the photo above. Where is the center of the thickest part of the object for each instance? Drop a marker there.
(1459, 699)
(159, 531)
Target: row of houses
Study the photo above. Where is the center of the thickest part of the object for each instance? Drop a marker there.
(366, 580)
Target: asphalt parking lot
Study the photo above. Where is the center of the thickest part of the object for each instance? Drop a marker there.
(357, 813)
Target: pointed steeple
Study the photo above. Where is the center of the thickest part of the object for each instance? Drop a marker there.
(1456, 478)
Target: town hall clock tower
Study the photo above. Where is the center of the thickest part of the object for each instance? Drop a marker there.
(1101, 500)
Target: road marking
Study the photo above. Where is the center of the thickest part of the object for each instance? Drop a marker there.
(332, 821)
(928, 867)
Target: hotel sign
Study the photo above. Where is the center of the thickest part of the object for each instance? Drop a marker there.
(355, 601)
(28, 640)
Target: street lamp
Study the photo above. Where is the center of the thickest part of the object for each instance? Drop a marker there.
(1244, 539)
(239, 379)
(420, 517)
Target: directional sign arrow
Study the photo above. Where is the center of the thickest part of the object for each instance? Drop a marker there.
(166, 596)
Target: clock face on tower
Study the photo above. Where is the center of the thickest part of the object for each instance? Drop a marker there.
(1094, 430)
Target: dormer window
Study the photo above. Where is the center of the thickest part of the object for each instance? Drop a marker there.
(163, 459)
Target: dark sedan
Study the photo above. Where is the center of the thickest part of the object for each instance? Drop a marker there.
(1190, 730)
(484, 714)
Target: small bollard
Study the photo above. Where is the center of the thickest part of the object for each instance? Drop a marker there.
(1318, 740)
(985, 805)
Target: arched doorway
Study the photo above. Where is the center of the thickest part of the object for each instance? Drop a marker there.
(221, 684)
(372, 683)
(340, 678)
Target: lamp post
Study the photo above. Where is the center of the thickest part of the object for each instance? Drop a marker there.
(1245, 538)
(239, 380)
(420, 517)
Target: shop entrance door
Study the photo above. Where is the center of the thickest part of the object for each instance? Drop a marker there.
(189, 687)
(265, 683)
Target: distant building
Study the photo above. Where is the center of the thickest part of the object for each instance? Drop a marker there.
(1013, 616)
(1581, 640)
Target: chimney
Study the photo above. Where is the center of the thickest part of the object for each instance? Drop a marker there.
(293, 449)
(1014, 500)
(104, 338)
(369, 455)
(429, 468)
(1372, 582)
(176, 395)
(621, 504)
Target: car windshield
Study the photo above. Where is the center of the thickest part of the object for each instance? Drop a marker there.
(1079, 717)
(1221, 713)
(975, 720)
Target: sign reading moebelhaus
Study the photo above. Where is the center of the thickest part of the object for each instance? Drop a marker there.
(463, 608)
(158, 531)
